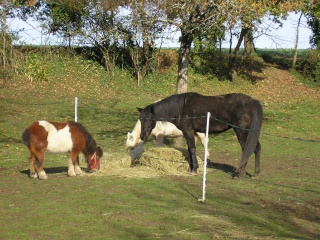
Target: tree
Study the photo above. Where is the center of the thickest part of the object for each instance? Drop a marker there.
(313, 18)
(7, 53)
(250, 13)
(142, 29)
(192, 18)
(64, 17)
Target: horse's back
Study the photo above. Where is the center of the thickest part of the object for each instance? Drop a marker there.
(52, 136)
(225, 109)
(167, 129)
(223, 104)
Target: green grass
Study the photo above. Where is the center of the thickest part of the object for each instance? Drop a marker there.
(282, 204)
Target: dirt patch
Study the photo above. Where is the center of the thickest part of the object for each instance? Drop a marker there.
(280, 86)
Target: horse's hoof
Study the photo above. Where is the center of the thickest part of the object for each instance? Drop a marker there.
(236, 176)
(255, 176)
(193, 173)
(43, 175)
(33, 175)
(72, 174)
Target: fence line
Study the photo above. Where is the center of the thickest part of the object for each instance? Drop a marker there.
(229, 124)
(160, 119)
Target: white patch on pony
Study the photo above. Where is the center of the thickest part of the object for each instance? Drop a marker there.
(59, 141)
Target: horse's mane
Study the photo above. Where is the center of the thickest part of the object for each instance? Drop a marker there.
(90, 142)
(171, 107)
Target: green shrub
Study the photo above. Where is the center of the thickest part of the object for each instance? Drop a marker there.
(310, 67)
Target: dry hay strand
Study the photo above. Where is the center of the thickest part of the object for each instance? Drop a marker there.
(167, 160)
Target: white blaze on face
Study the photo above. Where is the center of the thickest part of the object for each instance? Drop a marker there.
(59, 141)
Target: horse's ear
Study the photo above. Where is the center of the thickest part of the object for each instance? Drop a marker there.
(130, 136)
(99, 152)
(139, 109)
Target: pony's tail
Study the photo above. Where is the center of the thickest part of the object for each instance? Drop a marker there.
(26, 138)
(254, 132)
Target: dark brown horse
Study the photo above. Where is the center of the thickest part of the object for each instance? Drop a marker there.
(62, 137)
(188, 112)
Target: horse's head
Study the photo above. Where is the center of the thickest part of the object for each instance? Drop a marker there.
(148, 122)
(131, 140)
(94, 161)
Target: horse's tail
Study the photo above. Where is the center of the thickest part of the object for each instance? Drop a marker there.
(254, 131)
(26, 138)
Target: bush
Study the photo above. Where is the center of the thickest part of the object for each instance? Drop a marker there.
(166, 59)
(310, 67)
(210, 61)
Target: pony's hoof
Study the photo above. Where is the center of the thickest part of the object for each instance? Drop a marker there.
(72, 174)
(33, 175)
(43, 175)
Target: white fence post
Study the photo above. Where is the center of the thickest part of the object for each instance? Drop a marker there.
(205, 162)
(76, 109)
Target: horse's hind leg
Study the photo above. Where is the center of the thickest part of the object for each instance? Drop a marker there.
(41, 173)
(33, 173)
(257, 152)
(244, 160)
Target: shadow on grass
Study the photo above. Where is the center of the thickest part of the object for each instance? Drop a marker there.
(49, 170)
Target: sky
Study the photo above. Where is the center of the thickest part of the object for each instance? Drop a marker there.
(283, 37)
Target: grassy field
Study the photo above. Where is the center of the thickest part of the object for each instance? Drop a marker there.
(123, 202)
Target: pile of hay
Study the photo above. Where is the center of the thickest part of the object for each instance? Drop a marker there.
(168, 160)
(154, 162)
(119, 164)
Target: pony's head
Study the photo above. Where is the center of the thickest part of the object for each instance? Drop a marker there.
(148, 121)
(94, 161)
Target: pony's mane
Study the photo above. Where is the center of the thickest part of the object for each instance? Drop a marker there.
(90, 142)
(171, 107)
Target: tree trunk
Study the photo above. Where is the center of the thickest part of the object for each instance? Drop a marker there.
(235, 54)
(296, 43)
(4, 32)
(248, 42)
(183, 61)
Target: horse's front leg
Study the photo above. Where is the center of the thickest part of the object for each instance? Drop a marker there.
(159, 139)
(202, 137)
(193, 162)
(73, 166)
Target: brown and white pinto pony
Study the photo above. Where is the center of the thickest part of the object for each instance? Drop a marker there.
(60, 137)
